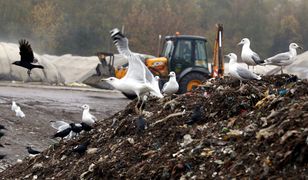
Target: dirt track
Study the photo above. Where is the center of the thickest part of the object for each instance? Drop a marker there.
(42, 104)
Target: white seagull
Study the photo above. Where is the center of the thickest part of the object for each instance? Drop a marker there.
(19, 113)
(157, 79)
(238, 71)
(172, 85)
(14, 106)
(138, 79)
(248, 56)
(87, 117)
(283, 59)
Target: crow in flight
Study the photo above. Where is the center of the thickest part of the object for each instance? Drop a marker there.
(26, 57)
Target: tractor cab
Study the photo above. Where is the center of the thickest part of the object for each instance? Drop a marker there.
(184, 52)
(186, 55)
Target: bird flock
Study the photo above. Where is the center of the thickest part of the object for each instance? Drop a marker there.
(251, 58)
(64, 129)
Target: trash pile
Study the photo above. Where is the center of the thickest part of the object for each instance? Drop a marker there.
(220, 130)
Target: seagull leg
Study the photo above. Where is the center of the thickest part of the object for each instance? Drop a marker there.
(136, 106)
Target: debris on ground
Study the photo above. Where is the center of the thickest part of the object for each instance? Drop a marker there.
(258, 130)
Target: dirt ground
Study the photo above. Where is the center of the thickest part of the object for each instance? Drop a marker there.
(257, 131)
(42, 104)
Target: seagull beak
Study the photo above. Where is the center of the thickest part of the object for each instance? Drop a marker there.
(226, 56)
(103, 79)
(240, 43)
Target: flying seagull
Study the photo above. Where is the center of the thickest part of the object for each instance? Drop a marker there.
(138, 79)
(248, 56)
(283, 59)
(238, 71)
(26, 57)
(87, 117)
(172, 85)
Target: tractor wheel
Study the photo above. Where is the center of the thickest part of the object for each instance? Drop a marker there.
(130, 96)
(191, 80)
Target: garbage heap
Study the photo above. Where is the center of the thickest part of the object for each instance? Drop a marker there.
(257, 130)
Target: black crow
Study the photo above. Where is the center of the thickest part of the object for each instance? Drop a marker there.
(32, 151)
(2, 156)
(2, 127)
(81, 148)
(76, 128)
(86, 127)
(140, 124)
(196, 115)
(26, 57)
(1, 134)
(63, 133)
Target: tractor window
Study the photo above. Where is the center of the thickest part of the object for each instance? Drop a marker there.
(168, 48)
(183, 51)
(200, 54)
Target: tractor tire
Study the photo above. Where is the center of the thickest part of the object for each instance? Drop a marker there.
(190, 80)
(130, 96)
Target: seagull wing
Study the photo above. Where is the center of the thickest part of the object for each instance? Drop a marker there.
(245, 73)
(165, 86)
(59, 125)
(93, 117)
(25, 51)
(256, 58)
(279, 58)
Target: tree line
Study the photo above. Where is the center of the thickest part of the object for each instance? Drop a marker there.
(82, 27)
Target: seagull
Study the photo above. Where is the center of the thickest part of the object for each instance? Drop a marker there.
(283, 59)
(81, 148)
(14, 106)
(238, 71)
(87, 117)
(156, 87)
(138, 79)
(26, 57)
(172, 85)
(32, 151)
(19, 113)
(196, 115)
(248, 56)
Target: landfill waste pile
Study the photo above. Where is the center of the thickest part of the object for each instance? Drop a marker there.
(220, 130)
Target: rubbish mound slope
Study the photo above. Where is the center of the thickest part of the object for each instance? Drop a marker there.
(259, 130)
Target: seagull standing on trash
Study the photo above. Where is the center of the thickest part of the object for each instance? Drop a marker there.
(26, 57)
(248, 56)
(283, 59)
(238, 71)
(172, 85)
(87, 117)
